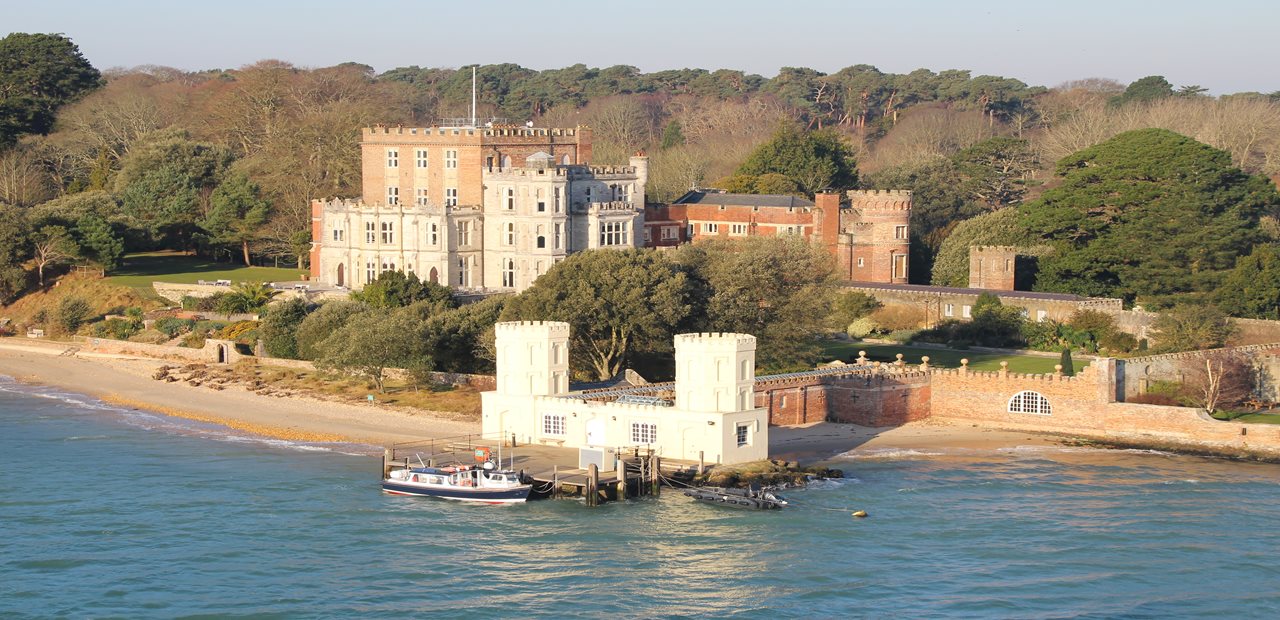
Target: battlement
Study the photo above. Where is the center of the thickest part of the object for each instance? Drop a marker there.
(532, 329)
(599, 171)
(993, 249)
(880, 199)
(517, 131)
(512, 172)
(614, 205)
(717, 339)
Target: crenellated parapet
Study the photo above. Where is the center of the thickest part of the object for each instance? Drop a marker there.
(880, 199)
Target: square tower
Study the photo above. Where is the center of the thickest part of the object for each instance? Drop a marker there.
(533, 358)
(993, 267)
(715, 372)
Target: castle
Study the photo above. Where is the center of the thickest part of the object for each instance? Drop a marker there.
(867, 231)
(490, 208)
(708, 414)
(475, 207)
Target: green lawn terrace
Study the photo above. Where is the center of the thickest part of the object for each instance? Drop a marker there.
(847, 351)
(140, 270)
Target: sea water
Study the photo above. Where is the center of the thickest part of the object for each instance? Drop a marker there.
(106, 512)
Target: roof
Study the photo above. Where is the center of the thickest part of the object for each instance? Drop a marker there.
(700, 197)
(955, 290)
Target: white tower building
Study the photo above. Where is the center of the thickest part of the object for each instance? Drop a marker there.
(715, 372)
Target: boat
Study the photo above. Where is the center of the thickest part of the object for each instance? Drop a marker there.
(750, 499)
(467, 483)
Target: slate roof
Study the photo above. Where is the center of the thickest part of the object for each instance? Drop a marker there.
(699, 197)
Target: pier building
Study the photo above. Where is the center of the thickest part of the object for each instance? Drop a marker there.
(709, 413)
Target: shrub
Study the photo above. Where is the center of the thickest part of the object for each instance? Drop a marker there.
(903, 336)
(72, 312)
(241, 331)
(1154, 399)
(171, 326)
(861, 328)
(894, 318)
(194, 340)
(1118, 342)
(119, 329)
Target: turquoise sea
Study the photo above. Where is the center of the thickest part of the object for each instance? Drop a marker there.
(106, 512)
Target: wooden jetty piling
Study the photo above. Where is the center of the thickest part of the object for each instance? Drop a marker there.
(593, 485)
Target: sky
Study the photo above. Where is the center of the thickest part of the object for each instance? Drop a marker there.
(1224, 45)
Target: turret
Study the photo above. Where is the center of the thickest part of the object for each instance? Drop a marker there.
(715, 372)
(879, 222)
(533, 358)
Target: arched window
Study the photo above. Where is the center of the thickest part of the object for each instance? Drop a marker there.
(1029, 402)
(542, 242)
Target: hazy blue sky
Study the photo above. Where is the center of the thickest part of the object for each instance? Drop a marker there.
(1225, 45)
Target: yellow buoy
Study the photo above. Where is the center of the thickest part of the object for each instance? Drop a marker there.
(860, 514)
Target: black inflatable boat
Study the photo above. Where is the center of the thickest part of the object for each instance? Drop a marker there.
(750, 499)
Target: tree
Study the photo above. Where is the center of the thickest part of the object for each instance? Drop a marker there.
(1218, 379)
(615, 301)
(995, 171)
(395, 289)
(38, 74)
(319, 325)
(814, 160)
(237, 213)
(850, 306)
(672, 136)
(370, 343)
(246, 297)
(1191, 327)
(52, 245)
(1065, 362)
(1150, 88)
(279, 328)
(778, 289)
(1147, 213)
(15, 248)
(99, 241)
(457, 338)
(1252, 288)
(1004, 227)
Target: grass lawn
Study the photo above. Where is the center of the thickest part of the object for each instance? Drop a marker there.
(949, 358)
(1257, 418)
(140, 270)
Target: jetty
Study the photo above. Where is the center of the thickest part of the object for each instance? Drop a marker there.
(555, 472)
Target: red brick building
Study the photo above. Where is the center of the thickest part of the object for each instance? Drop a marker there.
(867, 231)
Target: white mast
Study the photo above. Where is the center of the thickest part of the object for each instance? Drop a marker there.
(473, 96)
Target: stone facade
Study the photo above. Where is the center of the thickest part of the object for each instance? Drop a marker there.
(940, 303)
(866, 231)
(707, 414)
(993, 267)
(478, 208)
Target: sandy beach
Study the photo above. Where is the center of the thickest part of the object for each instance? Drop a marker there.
(126, 381)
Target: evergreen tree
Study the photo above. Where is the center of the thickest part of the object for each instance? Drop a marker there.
(1065, 362)
(236, 215)
(813, 160)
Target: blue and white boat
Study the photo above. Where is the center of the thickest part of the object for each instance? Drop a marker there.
(486, 484)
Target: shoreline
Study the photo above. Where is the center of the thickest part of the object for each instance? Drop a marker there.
(126, 381)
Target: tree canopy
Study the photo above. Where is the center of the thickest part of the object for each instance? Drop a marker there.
(38, 74)
(1147, 213)
(813, 160)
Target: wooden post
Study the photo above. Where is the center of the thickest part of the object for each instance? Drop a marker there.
(657, 474)
(702, 464)
(593, 485)
(555, 482)
(513, 440)
(388, 455)
(642, 489)
(622, 480)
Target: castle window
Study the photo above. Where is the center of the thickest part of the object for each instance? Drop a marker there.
(557, 236)
(644, 433)
(742, 432)
(899, 265)
(565, 160)
(511, 198)
(393, 195)
(966, 311)
(388, 232)
(370, 232)
(450, 159)
(434, 236)
(511, 233)
(553, 424)
(420, 196)
(899, 232)
(451, 197)
(949, 310)
(506, 161)
(556, 194)
(710, 228)
(738, 229)
(542, 241)
(861, 262)
(370, 272)
(669, 232)
(613, 233)
(339, 234)
(420, 158)
(542, 206)
(1030, 402)
(509, 274)
(648, 236)
(393, 158)
(462, 272)
(690, 231)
